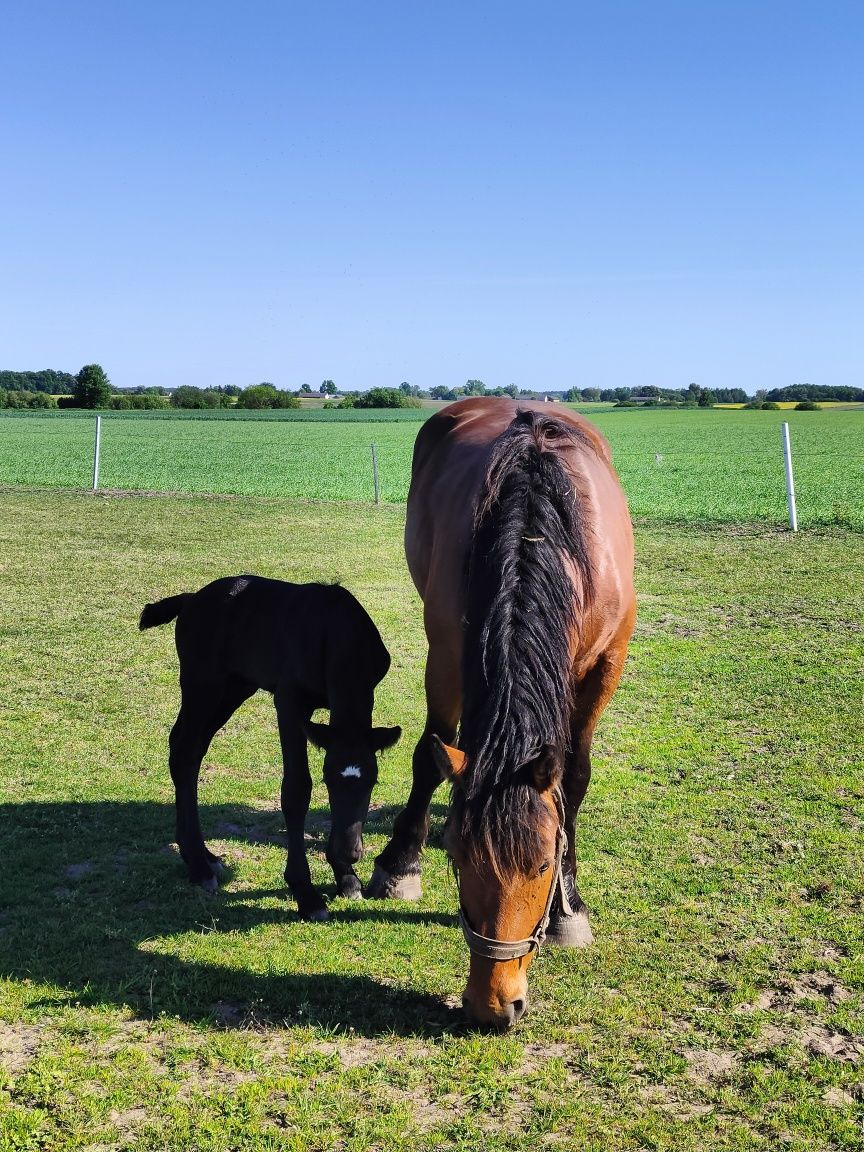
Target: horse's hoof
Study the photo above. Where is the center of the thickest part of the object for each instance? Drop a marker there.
(319, 916)
(217, 865)
(571, 931)
(383, 886)
(209, 884)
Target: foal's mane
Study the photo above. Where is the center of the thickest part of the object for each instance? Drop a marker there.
(523, 608)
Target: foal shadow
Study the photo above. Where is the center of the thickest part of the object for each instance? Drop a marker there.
(89, 904)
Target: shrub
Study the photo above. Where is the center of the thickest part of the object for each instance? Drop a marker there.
(807, 406)
(23, 399)
(384, 398)
(266, 396)
(770, 406)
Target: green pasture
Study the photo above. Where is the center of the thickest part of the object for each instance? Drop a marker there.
(721, 846)
(705, 466)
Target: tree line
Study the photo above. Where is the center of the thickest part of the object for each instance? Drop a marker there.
(91, 388)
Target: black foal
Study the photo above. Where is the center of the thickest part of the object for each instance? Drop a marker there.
(312, 646)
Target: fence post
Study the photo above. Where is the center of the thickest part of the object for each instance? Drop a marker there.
(96, 453)
(790, 481)
(375, 475)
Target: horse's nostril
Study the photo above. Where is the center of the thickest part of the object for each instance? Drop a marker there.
(519, 1007)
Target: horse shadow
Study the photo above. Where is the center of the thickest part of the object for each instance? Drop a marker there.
(88, 899)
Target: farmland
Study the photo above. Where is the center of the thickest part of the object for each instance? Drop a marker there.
(721, 847)
(697, 466)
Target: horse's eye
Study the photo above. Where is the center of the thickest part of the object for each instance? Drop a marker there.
(544, 868)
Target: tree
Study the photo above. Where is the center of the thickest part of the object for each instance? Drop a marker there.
(305, 389)
(328, 387)
(92, 387)
(475, 388)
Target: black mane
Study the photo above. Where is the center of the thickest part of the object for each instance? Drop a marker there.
(523, 608)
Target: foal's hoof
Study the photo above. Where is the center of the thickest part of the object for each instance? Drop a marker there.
(383, 886)
(571, 931)
(349, 888)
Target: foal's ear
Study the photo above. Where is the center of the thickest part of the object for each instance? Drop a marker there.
(449, 761)
(545, 770)
(318, 734)
(381, 738)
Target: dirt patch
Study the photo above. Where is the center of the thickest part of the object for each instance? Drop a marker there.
(838, 1098)
(807, 986)
(659, 1096)
(76, 871)
(19, 1044)
(708, 1065)
(821, 1041)
(127, 1123)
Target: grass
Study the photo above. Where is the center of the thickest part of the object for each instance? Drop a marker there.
(721, 1006)
(707, 466)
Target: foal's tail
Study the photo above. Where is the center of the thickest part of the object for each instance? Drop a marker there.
(163, 610)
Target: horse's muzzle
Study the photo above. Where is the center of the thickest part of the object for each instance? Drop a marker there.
(498, 1018)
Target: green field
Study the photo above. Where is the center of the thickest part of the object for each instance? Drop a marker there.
(721, 1005)
(679, 466)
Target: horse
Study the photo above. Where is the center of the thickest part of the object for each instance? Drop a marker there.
(311, 646)
(519, 541)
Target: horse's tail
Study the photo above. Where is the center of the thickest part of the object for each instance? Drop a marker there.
(163, 610)
(530, 584)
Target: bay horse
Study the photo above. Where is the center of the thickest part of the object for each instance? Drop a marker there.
(519, 541)
(312, 646)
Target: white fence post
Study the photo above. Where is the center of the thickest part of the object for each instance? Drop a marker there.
(375, 474)
(790, 481)
(96, 453)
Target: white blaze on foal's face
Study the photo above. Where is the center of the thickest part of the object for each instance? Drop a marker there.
(352, 770)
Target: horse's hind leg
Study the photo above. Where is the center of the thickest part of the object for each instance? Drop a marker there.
(397, 868)
(568, 925)
(205, 707)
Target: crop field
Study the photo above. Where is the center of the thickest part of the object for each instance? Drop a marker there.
(721, 466)
(722, 841)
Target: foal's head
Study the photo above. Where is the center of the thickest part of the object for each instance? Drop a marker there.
(506, 851)
(350, 773)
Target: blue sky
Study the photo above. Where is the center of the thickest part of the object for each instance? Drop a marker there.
(554, 195)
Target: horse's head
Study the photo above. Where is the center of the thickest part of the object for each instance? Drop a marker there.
(507, 857)
(350, 773)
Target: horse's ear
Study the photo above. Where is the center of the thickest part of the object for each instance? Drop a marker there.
(449, 761)
(318, 734)
(381, 738)
(545, 769)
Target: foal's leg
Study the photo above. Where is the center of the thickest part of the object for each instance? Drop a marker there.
(568, 926)
(205, 707)
(397, 868)
(296, 794)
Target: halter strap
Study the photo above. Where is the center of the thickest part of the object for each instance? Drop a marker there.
(488, 947)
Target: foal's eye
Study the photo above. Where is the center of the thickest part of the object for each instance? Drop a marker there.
(544, 868)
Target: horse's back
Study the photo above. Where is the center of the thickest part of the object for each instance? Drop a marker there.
(451, 457)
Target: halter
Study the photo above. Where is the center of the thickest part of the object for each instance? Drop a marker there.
(488, 947)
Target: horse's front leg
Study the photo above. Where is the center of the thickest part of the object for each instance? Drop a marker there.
(569, 925)
(397, 868)
(296, 794)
